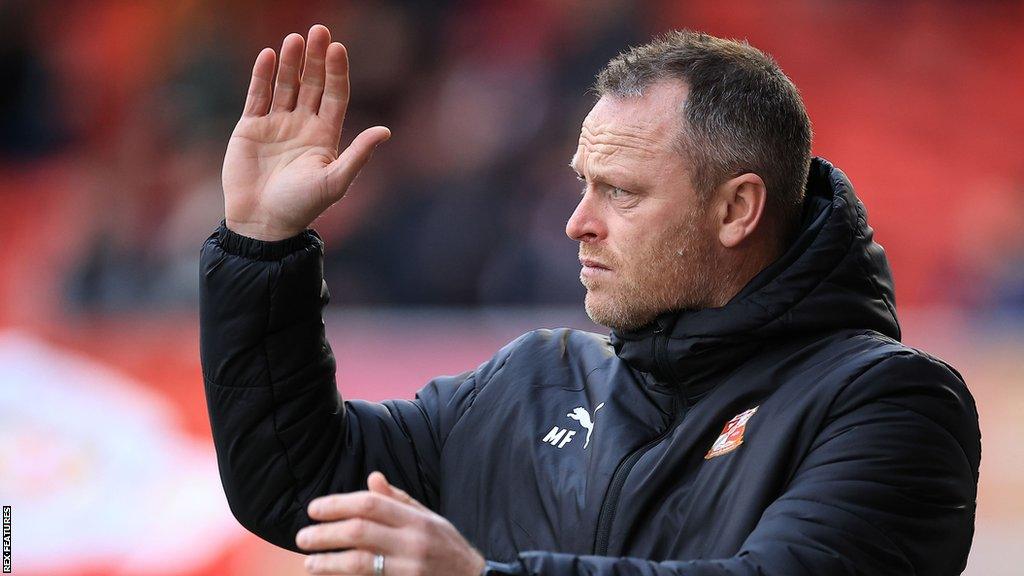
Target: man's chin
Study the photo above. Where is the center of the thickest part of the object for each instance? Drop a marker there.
(605, 311)
(595, 309)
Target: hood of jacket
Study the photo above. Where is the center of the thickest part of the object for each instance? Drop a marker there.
(834, 276)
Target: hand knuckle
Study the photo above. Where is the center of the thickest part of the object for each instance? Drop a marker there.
(430, 523)
(421, 526)
(419, 547)
(369, 504)
(357, 529)
(357, 562)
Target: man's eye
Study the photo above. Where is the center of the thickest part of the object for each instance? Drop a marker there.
(617, 193)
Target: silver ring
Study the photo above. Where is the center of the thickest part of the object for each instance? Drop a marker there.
(378, 565)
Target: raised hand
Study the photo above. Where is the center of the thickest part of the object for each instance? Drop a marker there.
(282, 168)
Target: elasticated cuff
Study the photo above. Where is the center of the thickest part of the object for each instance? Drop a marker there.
(501, 569)
(238, 245)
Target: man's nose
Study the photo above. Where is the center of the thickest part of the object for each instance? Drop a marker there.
(585, 224)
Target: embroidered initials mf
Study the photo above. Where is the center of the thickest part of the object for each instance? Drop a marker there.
(559, 437)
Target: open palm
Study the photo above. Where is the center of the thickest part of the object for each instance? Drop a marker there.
(282, 168)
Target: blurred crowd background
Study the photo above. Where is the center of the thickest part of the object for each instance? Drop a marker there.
(114, 117)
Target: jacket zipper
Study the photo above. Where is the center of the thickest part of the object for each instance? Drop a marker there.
(606, 516)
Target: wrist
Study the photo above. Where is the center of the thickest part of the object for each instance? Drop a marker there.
(238, 244)
(260, 232)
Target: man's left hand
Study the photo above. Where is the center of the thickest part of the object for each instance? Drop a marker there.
(384, 520)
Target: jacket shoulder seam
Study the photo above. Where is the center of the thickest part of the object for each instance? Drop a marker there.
(478, 384)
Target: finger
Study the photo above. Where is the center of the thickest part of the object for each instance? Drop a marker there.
(287, 86)
(336, 87)
(355, 562)
(366, 505)
(312, 85)
(346, 167)
(347, 562)
(378, 483)
(257, 101)
(353, 533)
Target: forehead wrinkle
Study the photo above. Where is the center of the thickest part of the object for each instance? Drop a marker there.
(611, 152)
(636, 137)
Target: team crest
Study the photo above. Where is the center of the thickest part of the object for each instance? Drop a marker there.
(732, 434)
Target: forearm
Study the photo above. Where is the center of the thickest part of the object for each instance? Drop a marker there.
(269, 375)
(262, 301)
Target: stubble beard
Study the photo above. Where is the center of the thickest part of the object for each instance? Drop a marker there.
(676, 273)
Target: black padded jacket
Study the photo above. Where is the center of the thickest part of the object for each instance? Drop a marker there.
(786, 433)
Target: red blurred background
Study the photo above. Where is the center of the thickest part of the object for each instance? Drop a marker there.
(114, 116)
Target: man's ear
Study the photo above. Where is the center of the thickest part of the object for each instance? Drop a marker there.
(739, 208)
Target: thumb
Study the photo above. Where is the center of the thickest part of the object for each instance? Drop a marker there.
(376, 482)
(344, 169)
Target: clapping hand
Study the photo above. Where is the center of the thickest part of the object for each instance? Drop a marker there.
(384, 521)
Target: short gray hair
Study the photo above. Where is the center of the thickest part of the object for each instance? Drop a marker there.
(742, 114)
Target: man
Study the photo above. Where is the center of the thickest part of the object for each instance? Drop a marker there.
(753, 411)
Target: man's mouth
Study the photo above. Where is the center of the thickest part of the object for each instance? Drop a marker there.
(593, 267)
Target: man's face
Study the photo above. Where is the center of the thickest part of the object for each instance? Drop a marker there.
(646, 246)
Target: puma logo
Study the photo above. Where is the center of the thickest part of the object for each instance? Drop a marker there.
(581, 415)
